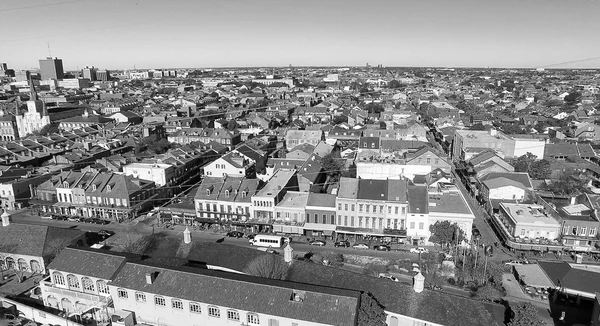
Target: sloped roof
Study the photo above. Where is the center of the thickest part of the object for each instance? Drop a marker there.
(418, 200)
(502, 182)
(519, 177)
(89, 263)
(35, 240)
(321, 200)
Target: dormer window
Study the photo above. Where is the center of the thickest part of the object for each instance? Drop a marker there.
(226, 193)
(243, 194)
(94, 188)
(108, 188)
(297, 296)
(372, 145)
(66, 184)
(208, 192)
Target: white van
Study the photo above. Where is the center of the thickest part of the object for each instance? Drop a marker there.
(261, 240)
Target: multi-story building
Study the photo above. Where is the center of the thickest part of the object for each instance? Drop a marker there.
(30, 248)
(8, 127)
(446, 203)
(232, 164)
(267, 198)
(225, 199)
(528, 221)
(159, 173)
(294, 138)
(16, 186)
(51, 68)
(91, 193)
(89, 73)
(109, 286)
(85, 120)
(467, 143)
(102, 75)
(320, 214)
(290, 213)
(372, 207)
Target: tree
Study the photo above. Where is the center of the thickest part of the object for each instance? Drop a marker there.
(394, 84)
(231, 125)
(332, 167)
(370, 311)
(572, 97)
(525, 314)
(570, 183)
(48, 129)
(523, 163)
(540, 169)
(144, 245)
(445, 233)
(268, 266)
(374, 108)
(340, 119)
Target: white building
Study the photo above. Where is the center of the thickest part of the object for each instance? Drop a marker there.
(162, 174)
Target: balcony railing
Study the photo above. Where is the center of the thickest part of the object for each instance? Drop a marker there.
(51, 288)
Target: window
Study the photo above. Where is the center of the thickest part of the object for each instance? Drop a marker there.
(345, 207)
(360, 207)
(195, 308)
(345, 220)
(421, 224)
(583, 231)
(332, 219)
(252, 319)
(102, 287)
(389, 209)
(339, 220)
(412, 225)
(73, 281)
(428, 160)
(592, 232)
(389, 222)
(214, 312)
(352, 207)
(396, 210)
(360, 221)
(522, 232)
(58, 278)
(351, 220)
(121, 293)
(88, 285)
(233, 315)
(403, 209)
(140, 297)
(380, 208)
(159, 301)
(324, 219)
(176, 304)
(368, 207)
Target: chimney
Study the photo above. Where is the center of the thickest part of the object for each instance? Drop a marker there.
(288, 253)
(187, 236)
(5, 218)
(573, 200)
(419, 282)
(493, 132)
(151, 277)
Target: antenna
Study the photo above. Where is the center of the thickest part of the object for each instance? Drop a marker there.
(49, 53)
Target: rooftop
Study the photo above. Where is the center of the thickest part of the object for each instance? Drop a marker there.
(277, 182)
(294, 199)
(529, 214)
(448, 202)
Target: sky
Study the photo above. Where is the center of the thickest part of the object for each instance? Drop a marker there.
(127, 34)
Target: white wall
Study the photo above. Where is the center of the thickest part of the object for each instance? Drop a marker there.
(215, 169)
(507, 192)
(37, 315)
(383, 171)
(533, 146)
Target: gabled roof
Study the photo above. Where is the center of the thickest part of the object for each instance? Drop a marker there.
(89, 263)
(418, 200)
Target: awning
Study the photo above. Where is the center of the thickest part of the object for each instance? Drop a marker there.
(327, 232)
(533, 275)
(288, 229)
(205, 220)
(319, 227)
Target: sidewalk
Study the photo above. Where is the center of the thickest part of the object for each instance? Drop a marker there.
(515, 293)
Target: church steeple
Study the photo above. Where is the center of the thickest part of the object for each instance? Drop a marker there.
(32, 91)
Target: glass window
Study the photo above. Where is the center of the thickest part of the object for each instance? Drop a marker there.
(421, 224)
(58, 278)
(403, 209)
(340, 206)
(160, 301)
(352, 207)
(345, 220)
(252, 319)
(103, 288)
(360, 207)
(412, 225)
(233, 315)
(140, 297)
(73, 281)
(396, 210)
(380, 208)
(345, 207)
(389, 209)
(176, 304)
(214, 312)
(122, 293)
(88, 285)
(195, 308)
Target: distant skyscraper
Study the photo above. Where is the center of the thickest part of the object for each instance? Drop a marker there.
(103, 75)
(89, 73)
(51, 68)
(3, 66)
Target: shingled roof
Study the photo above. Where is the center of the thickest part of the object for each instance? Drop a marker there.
(35, 240)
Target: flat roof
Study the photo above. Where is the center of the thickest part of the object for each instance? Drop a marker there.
(529, 213)
(448, 202)
(277, 182)
(294, 199)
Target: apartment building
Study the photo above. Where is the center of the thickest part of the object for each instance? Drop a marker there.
(225, 199)
(371, 207)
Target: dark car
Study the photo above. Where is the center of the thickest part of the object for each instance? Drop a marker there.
(476, 233)
(343, 243)
(105, 233)
(319, 243)
(235, 234)
(250, 236)
(382, 247)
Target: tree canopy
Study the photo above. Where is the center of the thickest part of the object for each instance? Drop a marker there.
(268, 266)
(332, 167)
(525, 314)
(445, 233)
(374, 108)
(48, 129)
(370, 311)
(570, 183)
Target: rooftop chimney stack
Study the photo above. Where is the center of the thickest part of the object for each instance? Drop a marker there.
(5, 218)
(288, 253)
(419, 282)
(187, 236)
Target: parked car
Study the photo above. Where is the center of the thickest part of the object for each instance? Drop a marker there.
(389, 277)
(47, 217)
(513, 262)
(343, 243)
(105, 233)
(418, 250)
(319, 243)
(361, 246)
(382, 247)
(73, 219)
(476, 233)
(250, 236)
(235, 234)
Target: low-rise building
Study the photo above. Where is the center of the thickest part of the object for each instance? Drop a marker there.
(225, 199)
(528, 221)
(267, 198)
(320, 215)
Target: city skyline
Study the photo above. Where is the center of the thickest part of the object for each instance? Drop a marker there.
(188, 34)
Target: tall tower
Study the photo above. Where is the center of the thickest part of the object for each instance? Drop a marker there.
(51, 68)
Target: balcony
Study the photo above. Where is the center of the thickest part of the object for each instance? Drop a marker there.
(49, 287)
